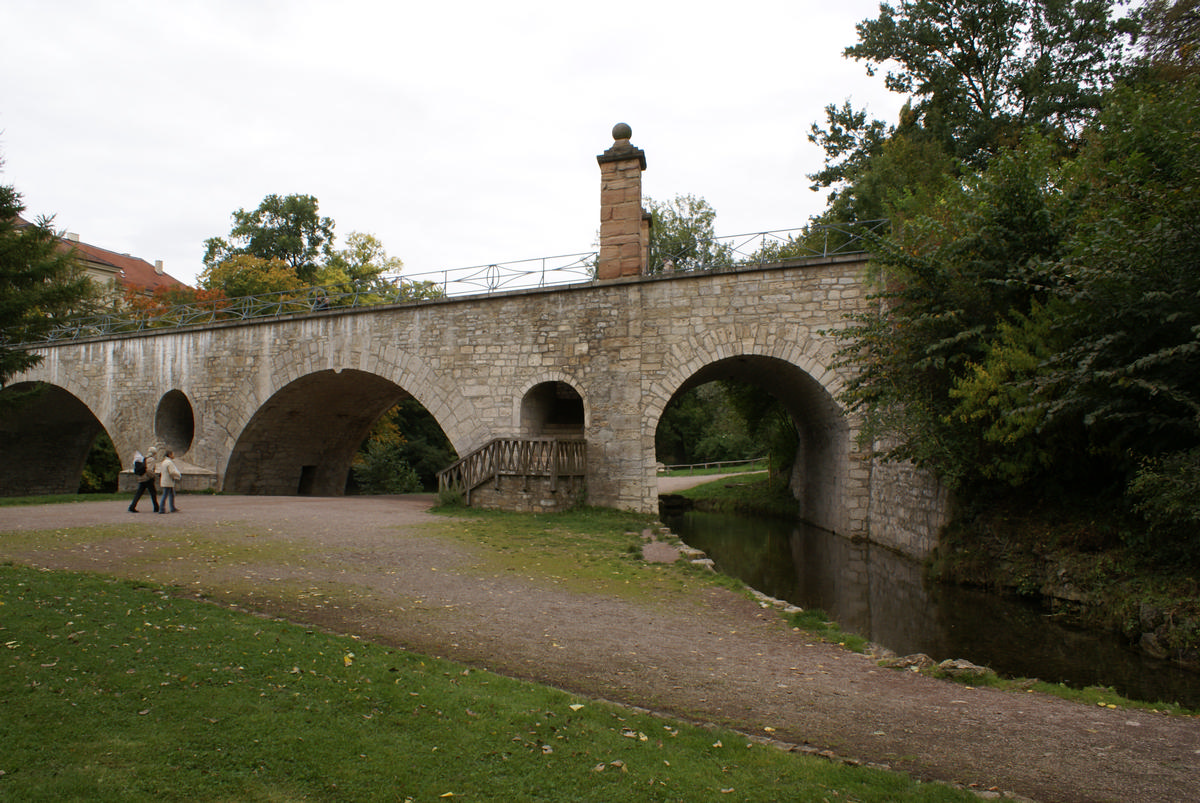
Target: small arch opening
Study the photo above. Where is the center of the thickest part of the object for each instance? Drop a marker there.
(552, 410)
(175, 422)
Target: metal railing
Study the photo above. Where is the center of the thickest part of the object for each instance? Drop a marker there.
(515, 457)
(767, 247)
(717, 253)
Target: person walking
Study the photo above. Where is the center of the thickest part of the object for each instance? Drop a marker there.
(149, 465)
(168, 474)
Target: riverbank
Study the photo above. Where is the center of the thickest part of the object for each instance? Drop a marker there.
(1070, 563)
(1077, 568)
(577, 610)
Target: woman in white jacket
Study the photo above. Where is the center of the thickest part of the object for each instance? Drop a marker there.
(168, 474)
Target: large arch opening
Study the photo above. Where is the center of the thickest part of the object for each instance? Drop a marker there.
(552, 410)
(816, 464)
(304, 439)
(46, 436)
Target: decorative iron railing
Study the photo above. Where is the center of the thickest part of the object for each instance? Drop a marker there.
(718, 253)
(555, 458)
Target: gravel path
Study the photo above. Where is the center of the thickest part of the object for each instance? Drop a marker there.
(718, 657)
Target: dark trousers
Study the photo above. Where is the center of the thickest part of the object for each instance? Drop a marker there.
(168, 493)
(143, 487)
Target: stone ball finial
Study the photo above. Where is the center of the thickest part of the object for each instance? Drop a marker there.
(622, 131)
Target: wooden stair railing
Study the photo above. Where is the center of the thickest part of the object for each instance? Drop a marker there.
(515, 457)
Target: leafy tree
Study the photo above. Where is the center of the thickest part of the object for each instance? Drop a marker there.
(405, 450)
(1115, 350)
(702, 425)
(1133, 305)
(162, 300)
(983, 72)
(768, 424)
(951, 278)
(244, 275)
(285, 246)
(1170, 37)
(381, 469)
(102, 469)
(363, 267)
(979, 74)
(681, 235)
(41, 284)
(287, 228)
(364, 259)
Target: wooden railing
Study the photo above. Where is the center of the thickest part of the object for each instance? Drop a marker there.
(515, 457)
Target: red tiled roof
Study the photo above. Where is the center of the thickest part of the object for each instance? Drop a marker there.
(131, 271)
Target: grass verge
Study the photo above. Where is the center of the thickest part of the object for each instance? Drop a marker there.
(58, 499)
(113, 690)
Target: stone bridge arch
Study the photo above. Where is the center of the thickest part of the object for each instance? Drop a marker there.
(300, 430)
(829, 477)
(46, 440)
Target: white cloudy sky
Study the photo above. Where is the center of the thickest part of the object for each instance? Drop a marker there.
(459, 133)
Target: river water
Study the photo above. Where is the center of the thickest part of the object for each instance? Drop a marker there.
(879, 595)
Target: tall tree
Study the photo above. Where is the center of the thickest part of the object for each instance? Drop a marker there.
(951, 279)
(681, 235)
(978, 74)
(40, 284)
(364, 259)
(1170, 36)
(287, 228)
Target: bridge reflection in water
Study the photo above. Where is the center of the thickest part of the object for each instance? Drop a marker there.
(882, 596)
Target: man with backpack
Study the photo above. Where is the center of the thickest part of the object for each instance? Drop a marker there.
(143, 469)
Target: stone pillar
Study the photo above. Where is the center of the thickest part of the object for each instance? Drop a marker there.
(624, 226)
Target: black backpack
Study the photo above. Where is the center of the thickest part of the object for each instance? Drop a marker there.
(139, 467)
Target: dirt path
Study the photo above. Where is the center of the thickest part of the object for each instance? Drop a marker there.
(719, 658)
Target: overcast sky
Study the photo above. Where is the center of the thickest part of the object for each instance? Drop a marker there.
(459, 133)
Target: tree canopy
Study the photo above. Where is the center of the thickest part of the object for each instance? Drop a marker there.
(1038, 332)
(285, 246)
(978, 75)
(682, 235)
(286, 228)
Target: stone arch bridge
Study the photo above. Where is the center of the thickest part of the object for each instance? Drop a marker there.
(280, 405)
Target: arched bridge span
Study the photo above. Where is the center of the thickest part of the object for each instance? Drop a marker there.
(279, 406)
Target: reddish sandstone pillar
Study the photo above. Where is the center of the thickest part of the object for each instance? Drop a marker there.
(624, 226)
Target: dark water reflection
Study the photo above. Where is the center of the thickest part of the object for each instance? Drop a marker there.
(882, 596)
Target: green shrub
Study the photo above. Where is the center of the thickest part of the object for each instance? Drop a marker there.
(380, 469)
(1166, 491)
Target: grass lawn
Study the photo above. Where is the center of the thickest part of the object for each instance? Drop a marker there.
(112, 690)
